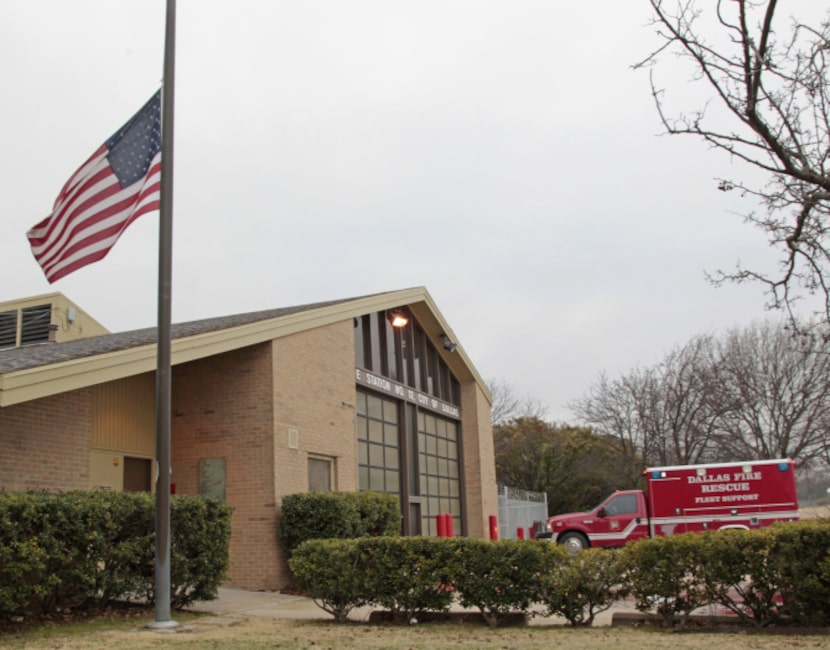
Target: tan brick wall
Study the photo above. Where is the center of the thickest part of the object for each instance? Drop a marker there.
(479, 461)
(241, 406)
(314, 395)
(222, 408)
(264, 409)
(44, 444)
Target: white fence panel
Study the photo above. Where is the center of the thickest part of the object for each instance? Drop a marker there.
(520, 509)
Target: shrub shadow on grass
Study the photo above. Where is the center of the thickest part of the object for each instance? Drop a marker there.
(385, 617)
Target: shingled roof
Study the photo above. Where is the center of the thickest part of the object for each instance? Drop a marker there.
(43, 354)
(34, 371)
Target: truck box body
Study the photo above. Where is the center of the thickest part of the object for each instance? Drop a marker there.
(685, 498)
(728, 495)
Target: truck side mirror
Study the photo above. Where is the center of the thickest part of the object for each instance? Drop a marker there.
(601, 513)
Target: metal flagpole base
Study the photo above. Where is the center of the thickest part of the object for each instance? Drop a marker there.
(163, 625)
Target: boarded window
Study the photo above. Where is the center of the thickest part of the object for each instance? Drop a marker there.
(319, 474)
(212, 478)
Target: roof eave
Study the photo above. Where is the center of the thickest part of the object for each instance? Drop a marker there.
(34, 383)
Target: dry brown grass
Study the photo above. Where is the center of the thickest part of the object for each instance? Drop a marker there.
(263, 632)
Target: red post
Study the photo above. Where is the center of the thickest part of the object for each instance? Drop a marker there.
(442, 525)
(520, 531)
(450, 525)
(494, 527)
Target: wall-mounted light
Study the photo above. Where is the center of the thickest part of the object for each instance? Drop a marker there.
(398, 318)
(448, 344)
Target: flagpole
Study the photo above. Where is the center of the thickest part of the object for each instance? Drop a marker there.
(163, 364)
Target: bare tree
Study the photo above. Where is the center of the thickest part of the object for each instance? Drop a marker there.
(508, 404)
(781, 393)
(770, 73)
(757, 392)
(610, 407)
(664, 415)
(682, 408)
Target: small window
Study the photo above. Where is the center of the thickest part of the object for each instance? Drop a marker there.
(320, 472)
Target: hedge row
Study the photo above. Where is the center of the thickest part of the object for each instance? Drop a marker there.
(83, 550)
(779, 575)
(337, 515)
(413, 575)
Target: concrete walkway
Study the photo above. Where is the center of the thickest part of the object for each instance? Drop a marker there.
(239, 603)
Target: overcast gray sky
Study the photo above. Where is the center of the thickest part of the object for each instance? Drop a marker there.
(501, 153)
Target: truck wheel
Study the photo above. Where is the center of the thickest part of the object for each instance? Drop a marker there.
(574, 542)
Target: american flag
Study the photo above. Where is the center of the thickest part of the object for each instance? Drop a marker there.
(120, 182)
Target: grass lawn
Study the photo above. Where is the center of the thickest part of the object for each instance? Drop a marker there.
(263, 632)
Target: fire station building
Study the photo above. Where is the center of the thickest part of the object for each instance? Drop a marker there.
(366, 393)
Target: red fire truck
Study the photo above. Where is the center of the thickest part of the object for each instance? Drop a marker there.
(684, 498)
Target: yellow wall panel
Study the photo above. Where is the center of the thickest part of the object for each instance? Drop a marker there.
(124, 415)
(106, 471)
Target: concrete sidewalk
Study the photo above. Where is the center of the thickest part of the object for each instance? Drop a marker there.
(238, 603)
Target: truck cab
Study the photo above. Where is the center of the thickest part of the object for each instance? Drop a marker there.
(620, 519)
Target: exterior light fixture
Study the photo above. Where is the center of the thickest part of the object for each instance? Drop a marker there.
(398, 318)
(448, 344)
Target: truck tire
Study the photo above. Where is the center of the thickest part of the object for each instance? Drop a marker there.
(574, 542)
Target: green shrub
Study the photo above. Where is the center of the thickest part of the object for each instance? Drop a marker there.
(104, 538)
(502, 577)
(664, 574)
(333, 573)
(199, 549)
(581, 586)
(126, 528)
(337, 515)
(379, 514)
(200, 532)
(82, 550)
(740, 573)
(801, 551)
(24, 579)
(408, 575)
(747, 571)
(316, 515)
